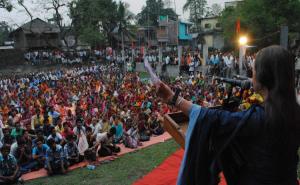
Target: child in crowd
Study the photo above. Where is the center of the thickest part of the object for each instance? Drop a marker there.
(66, 131)
(7, 139)
(9, 168)
(118, 125)
(55, 135)
(71, 150)
(39, 136)
(17, 131)
(55, 158)
(107, 147)
(23, 155)
(90, 153)
(39, 153)
(131, 136)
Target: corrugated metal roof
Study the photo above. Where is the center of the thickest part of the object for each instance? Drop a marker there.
(38, 26)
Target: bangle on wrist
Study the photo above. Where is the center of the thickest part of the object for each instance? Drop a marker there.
(179, 101)
(175, 97)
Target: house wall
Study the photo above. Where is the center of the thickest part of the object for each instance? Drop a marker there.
(20, 41)
(173, 32)
(212, 32)
(183, 34)
(212, 22)
(167, 32)
(209, 40)
(42, 41)
(11, 57)
(215, 40)
(218, 41)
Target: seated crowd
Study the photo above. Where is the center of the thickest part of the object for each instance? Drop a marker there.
(56, 119)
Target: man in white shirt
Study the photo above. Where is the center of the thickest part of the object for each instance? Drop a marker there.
(149, 59)
(167, 60)
(192, 67)
(229, 65)
(96, 126)
(107, 147)
(153, 58)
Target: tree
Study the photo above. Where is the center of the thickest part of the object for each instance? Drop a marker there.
(124, 17)
(216, 9)
(21, 3)
(4, 32)
(197, 9)
(60, 9)
(153, 9)
(99, 17)
(261, 20)
(91, 36)
(6, 4)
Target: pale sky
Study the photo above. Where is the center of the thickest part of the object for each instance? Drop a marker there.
(18, 16)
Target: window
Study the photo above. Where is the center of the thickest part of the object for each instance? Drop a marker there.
(186, 30)
(207, 26)
(218, 25)
(163, 28)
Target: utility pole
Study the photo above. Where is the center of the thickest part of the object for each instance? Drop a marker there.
(123, 50)
(284, 36)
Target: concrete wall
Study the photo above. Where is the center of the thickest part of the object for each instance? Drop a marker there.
(11, 57)
(215, 40)
(218, 41)
(212, 22)
(172, 70)
(209, 40)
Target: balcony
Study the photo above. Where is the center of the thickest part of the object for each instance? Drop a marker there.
(153, 42)
(162, 33)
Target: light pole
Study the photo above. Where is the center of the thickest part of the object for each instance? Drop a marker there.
(243, 40)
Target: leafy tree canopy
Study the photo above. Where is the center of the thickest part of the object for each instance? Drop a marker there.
(94, 20)
(261, 19)
(5, 29)
(6, 4)
(153, 9)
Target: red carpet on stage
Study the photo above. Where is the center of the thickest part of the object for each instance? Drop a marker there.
(166, 173)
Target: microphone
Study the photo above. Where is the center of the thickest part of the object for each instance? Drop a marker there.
(241, 77)
(244, 84)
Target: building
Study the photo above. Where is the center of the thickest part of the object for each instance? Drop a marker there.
(212, 32)
(173, 32)
(184, 35)
(146, 36)
(167, 31)
(36, 34)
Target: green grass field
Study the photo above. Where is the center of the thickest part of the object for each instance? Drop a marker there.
(124, 171)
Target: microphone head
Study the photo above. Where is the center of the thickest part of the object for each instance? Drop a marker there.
(241, 77)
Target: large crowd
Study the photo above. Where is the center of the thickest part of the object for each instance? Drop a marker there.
(54, 119)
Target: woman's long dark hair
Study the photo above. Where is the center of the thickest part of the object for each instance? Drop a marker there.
(275, 70)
